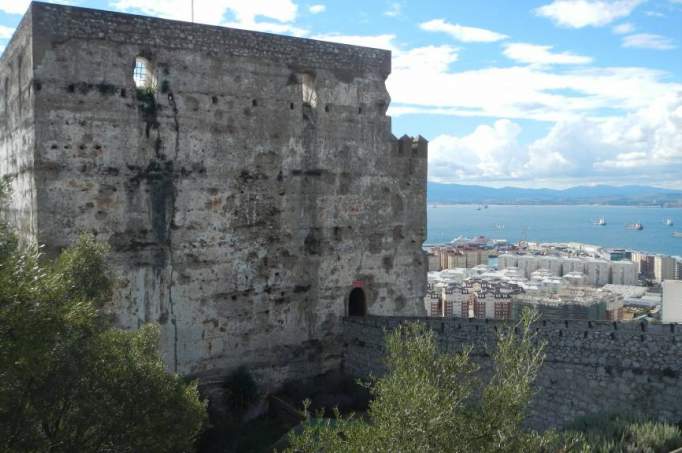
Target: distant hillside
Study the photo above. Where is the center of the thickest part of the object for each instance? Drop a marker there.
(609, 195)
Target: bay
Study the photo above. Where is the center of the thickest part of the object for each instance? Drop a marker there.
(563, 223)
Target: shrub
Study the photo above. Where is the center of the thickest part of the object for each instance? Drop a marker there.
(68, 380)
(614, 432)
(427, 401)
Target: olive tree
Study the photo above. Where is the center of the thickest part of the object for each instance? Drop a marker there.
(434, 401)
(69, 381)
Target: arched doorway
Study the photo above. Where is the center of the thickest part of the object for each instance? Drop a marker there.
(357, 305)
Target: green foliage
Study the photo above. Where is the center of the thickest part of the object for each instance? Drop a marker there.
(430, 401)
(68, 381)
(83, 266)
(146, 98)
(240, 390)
(614, 433)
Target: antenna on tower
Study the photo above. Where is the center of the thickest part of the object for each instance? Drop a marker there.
(192, 11)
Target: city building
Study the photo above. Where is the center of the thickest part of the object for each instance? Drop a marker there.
(644, 263)
(453, 256)
(664, 268)
(473, 298)
(671, 309)
(572, 303)
(434, 261)
(597, 272)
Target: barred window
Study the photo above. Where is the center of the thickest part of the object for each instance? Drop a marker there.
(143, 73)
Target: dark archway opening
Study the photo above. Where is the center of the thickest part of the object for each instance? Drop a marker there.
(357, 305)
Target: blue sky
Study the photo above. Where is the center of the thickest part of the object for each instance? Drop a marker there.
(549, 93)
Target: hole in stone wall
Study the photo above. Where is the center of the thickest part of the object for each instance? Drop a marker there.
(359, 110)
(357, 304)
(327, 108)
(291, 105)
(308, 89)
(143, 74)
(254, 103)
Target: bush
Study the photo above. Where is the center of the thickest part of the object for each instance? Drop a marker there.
(612, 433)
(68, 380)
(427, 401)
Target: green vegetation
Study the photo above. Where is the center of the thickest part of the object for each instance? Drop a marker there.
(430, 401)
(427, 400)
(68, 380)
(615, 433)
(146, 98)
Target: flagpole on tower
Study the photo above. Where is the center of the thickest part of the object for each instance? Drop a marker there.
(192, 11)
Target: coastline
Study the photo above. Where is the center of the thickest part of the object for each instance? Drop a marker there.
(594, 205)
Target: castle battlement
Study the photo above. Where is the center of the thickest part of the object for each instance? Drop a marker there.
(590, 366)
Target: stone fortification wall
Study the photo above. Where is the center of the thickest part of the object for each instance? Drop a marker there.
(17, 132)
(590, 367)
(244, 198)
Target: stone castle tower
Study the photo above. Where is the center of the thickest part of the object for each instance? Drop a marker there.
(248, 184)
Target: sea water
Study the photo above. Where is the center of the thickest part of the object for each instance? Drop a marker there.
(560, 224)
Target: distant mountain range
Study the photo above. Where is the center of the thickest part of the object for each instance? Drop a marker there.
(607, 195)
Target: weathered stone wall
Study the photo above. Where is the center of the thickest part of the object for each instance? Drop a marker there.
(17, 130)
(239, 218)
(590, 367)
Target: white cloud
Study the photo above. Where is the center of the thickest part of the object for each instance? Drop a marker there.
(583, 13)
(14, 6)
(425, 60)
(640, 147)
(317, 9)
(462, 33)
(6, 32)
(21, 6)
(522, 92)
(490, 152)
(648, 41)
(214, 11)
(624, 28)
(376, 41)
(536, 54)
(601, 115)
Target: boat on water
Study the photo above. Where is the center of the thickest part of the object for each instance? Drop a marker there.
(677, 234)
(600, 221)
(634, 226)
(669, 221)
